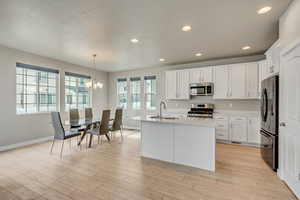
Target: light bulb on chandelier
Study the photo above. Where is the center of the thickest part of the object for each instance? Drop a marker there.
(93, 83)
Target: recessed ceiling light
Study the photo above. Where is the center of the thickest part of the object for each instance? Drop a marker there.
(134, 40)
(246, 48)
(186, 28)
(264, 10)
(198, 54)
(162, 60)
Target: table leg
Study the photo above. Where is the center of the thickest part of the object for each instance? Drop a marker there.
(91, 139)
(82, 137)
(107, 137)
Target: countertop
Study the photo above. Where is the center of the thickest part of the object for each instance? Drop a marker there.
(208, 123)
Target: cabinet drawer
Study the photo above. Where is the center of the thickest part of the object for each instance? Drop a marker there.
(222, 134)
(220, 117)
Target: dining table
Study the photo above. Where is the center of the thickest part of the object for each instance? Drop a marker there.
(84, 125)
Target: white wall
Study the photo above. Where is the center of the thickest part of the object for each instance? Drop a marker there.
(22, 128)
(247, 105)
(289, 24)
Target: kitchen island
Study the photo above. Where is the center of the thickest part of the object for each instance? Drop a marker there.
(182, 141)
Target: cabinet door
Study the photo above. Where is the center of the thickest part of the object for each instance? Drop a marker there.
(207, 74)
(253, 130)
(222, 130)
(183, 85)
(171, 85)
(195, 75)
(262, 74)
(238, 129)
(221, 82)
(237, 81)
(252, 80)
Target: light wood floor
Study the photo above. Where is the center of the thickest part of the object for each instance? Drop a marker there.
(115, 171)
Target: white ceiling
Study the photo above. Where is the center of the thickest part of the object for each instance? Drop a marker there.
(73, 30)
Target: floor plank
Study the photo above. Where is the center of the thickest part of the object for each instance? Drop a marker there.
(116, 171)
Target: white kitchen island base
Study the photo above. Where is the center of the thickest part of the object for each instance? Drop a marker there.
(179, 142)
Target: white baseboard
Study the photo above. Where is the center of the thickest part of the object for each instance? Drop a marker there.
(22, 144)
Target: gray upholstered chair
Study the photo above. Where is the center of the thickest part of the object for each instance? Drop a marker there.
(117, 123)
(103, 129)
(89, 113)
(74, 116)
(59, 131)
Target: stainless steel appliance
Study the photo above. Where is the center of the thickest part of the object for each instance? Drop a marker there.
(202, 89)
(201, 111)
(269, 121)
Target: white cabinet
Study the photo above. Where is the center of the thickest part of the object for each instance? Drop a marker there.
(201, 75)
(171, 82)
(177, 84)
(253, 130)
(262, 74)
(238, 129)
(183, 86)
(272, 63)
(221, 77)
(222, 129)
(237, 81)
(252, 72)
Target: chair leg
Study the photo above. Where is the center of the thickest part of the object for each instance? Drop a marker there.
(101, 138)
(98, 138)
(52, 146)
(70, 143)
(62, 148)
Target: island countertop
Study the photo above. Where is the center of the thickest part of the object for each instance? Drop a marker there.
(203, 122)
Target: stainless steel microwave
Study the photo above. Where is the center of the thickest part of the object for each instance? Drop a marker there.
(202, 89)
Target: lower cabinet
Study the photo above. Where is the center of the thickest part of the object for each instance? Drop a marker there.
(222, 130)
(253, 130)
(238, 129)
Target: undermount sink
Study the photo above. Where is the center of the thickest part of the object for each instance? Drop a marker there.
(158, 117)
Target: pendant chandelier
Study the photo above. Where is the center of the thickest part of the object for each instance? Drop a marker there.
(93, 83)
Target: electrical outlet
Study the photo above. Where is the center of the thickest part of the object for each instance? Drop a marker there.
(230, 105)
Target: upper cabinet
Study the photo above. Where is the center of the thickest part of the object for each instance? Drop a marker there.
(201, 75)
(238, 81)
(171, 82)
(271, 65)
(221, 77)
(252, 77)
(177, 85)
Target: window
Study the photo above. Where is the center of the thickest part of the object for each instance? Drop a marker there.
(150, 92)
(122, 92)
(77, 95)
(36, 89)
(135, 87)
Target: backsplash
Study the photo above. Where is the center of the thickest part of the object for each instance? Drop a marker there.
(238, 105)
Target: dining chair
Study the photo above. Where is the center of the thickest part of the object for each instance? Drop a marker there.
(89, 113)
(74, 116)
(60, 133)
(103, 129)
(117, 123)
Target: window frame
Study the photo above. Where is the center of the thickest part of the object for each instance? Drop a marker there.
(132, 80)
(122, 80)
(38, 85)
(151, 78)
(78, 78)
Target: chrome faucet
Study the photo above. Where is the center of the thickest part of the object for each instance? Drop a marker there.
(164, 104)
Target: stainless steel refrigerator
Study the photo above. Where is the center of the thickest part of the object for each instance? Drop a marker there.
(270, 120)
